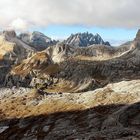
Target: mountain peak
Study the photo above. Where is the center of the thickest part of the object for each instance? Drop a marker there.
(39, 34)
(138, 36)
(136, 42)
(9, 34)
(37, 40)
(85, 39)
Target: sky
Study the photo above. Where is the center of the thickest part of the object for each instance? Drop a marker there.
(116, 21)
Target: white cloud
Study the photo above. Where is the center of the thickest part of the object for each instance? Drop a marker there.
(19, 24)
(104, 13)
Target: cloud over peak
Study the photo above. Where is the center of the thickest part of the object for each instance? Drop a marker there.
(23, 14)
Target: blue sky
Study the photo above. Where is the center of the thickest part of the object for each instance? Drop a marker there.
(115, 36)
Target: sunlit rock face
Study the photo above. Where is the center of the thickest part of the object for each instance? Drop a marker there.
(12, 52)
(13, 49)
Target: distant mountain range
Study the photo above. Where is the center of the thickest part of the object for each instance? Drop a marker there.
(40, 41)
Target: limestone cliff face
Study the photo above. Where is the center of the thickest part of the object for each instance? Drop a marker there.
(60, 52)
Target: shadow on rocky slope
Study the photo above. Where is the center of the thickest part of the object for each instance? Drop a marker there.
(109, 122)
(4, 70)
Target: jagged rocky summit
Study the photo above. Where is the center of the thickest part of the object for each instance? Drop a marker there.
(85, 39)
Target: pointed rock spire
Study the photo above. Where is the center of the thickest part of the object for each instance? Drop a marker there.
(136, 42)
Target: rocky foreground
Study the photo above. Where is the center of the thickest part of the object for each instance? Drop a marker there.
(109, 113)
